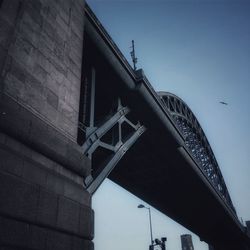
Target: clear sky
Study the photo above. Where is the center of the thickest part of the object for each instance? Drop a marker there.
(200, 51)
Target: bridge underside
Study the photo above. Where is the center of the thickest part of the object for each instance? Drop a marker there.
(158, 168)
(165, 179)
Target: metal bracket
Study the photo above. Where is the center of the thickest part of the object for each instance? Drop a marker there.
(122, 134)
(93, 184)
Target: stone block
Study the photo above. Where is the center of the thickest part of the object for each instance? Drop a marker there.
(79, 5)
(87, 244)
(2, 57)
(9, 10)
(14, 233)
(28, 20)
(42, 160)
(57, 142)
(13, 87)
(75, 81)
(86, 222)
(58, 241)
(75, 56)
(52, 12)
(74, 68)
(77, 193)
(20, 200)
(57, 76)
(46, 45)
(52, 98)
(68, 126)
(59, 51)
(5, 33)
(68, 215)
(37, 238)
(67, 111)
(73, 101)
(39, 136)
(34, 100)
(51, 114)
(13, 146)
(63, 19)
(10, 162)
(39, 73)
(23, 53)
(76, 40)
(73, 155)
(27, 32)
(59, 66)
(48, 28)
(34, 132)
(12, 122)
(2, 138)
(33, 173)
(80, 244)
(65, 6)
(33, 83)
(55, 183)
(18, 71)
(43, 62)
(47, 208)
(33, 9)
(62, 28)
(77, 19)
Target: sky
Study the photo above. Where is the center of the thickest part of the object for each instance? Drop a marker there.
(200, 51)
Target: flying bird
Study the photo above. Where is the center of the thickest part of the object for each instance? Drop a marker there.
(224, 103)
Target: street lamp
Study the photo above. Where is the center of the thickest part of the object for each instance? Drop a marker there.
(150, 221)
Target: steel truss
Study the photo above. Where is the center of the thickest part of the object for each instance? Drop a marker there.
(196, 142)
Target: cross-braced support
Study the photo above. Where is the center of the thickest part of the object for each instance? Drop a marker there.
(112, 139)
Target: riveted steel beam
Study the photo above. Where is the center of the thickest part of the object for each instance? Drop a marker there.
(120, 152)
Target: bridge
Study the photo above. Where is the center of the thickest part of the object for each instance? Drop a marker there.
(74, 112)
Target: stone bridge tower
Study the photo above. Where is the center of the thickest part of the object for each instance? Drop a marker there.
(43, 204)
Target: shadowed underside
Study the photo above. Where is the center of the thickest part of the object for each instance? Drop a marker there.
(151, 144)
(170, 165)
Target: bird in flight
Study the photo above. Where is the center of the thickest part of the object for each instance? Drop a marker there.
(224, 103)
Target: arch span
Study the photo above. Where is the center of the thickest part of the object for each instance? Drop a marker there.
(196, 142)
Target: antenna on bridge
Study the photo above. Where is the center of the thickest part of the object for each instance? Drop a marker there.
(132, 53)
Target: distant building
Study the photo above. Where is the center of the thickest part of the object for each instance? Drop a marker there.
(186, 242)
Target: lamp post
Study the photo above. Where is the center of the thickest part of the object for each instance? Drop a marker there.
(150, 223)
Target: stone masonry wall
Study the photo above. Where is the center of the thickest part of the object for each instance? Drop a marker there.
(41, 54)
(44, 204)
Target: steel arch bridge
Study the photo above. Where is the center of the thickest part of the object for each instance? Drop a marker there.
(197, 143)
(150, 143)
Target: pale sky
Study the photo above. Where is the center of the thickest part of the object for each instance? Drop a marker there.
(200, 51)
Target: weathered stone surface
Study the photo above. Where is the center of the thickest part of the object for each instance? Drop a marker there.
(32, 131)
(43, 203)
(41, 196)
(40, 35)
(35, 168)
(16, 234)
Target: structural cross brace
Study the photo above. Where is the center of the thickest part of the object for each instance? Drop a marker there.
(121, 141)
